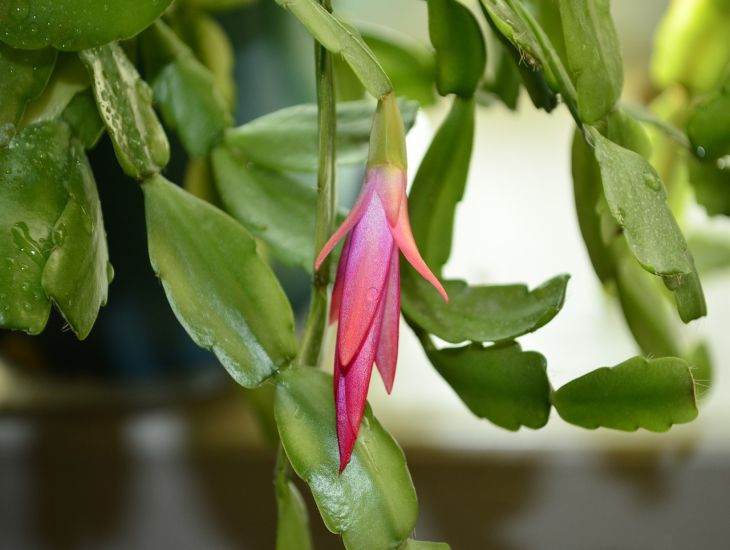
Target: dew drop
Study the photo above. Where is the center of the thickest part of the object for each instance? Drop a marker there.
(652, 181)
(701, 152)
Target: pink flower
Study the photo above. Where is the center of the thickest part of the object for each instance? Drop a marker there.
(366, 295)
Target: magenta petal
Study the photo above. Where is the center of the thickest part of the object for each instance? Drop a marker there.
(339, 281)
(371, 244)
(352, 218)
(386, 355)
(345, 435)
(404, 238)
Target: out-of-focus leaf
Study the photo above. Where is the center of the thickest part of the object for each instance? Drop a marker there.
(711, 185)
(711, 250)
(77, 273)
(644, 393)
(53, 244)
(347, 85)
(593, 56)
(25, 74)
(198, 180)
(691, 45)
(125, 103)
(481, 313)
(440, 182)
(708, 125)
(409, 65)
(217, 5)
(505, 84)
(412, 544)
(461, 55)
(624, 130)
(638, 202)
(372, 504)
(292, 530)
(184, 90)
(74, 24)
(273, 206)
(700, 363)
(344, 40)
(507, 386)
(647, 116)
(68, 79)
(287, 139)
(226, 298)
(83, 119)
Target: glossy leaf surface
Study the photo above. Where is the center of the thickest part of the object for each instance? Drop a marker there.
(125, 104)
(54, 244)
(24, 76)
(185, 91)
(273, 206)
(341, 39)
(440, 182)
(292, 530)
(481, 313)
(637, 200)
(287, 139)
(461, 55)
(593, 56)
(644, 393)
(372, 504)
(74, 24)
(224, 295)
(507, 386)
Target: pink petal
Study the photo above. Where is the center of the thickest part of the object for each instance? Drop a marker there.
(390, 185)
(404, 238)
(351, 390)
(386, 355)
(371, 244)
(352, 218)
(339, 281)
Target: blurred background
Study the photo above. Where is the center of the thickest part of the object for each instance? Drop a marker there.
(136, 438)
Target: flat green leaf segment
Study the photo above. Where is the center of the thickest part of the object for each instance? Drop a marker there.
(440, 182)
(341, 39)
(125, 103)
(593, 56)
(24, 76)
(217, 5)
(507, 386)
(412, 544)
(707, 127)
(185, 90)
(74, 24)
(372, 504)
(711, 185)
(481, 313)
(461, 55)
(637, 200)
(224, 295)
(644, 393)
(82, 117)
(287, 139)
(52, 237)
(292, 530)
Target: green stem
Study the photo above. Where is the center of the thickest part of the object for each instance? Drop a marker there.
(324, 226)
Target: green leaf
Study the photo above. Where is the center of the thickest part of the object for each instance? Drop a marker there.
(52, 237)
(292, 530)
(198, 180)
(77, 273)
(711, 185)
(507, 386)
(593, 56)
(644, 393)
(711, 250)
(217, 5)
(83, 119)
(287, 139)
(481, 313)
(185, 91)
(25, 75)
(505, 83)
(440, 182)
(68, 79)
(223, 294)
(125, 103)
(412, 544)
(372, 504)
(408, 64)
(637, 200)
(708, 123)
(74, 24)
(461, 55)
(273, 206)
(691, 45)
(341, 39)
